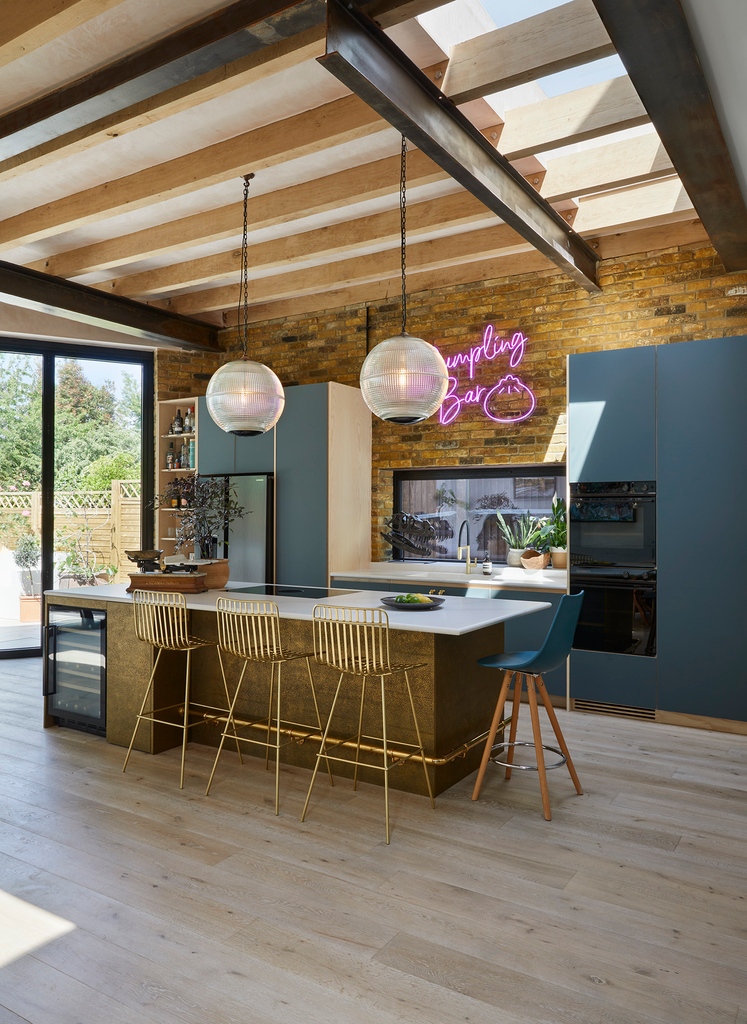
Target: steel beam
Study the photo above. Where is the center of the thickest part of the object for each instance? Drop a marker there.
(363, 57)
(29, 289)
(656, 46)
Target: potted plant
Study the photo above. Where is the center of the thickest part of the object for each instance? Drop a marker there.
(204, 506)
(26, 556)
(519, 533)
(555, 533)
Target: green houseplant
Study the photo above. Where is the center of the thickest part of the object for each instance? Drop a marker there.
(555, 533)
(519, 533)
(205, 506)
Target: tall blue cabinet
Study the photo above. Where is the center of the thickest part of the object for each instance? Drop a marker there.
(320, 453)
(677, 414)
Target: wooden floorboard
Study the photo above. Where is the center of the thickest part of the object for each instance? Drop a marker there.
(629, 907)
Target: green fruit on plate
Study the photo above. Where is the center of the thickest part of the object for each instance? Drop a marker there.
(412, 599)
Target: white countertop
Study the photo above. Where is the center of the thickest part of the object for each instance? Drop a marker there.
(452, 574)
(457, 615)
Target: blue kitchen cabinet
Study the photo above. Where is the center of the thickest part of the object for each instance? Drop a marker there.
(615, 679)
(701, 506)
(612, 415)
(221, 453)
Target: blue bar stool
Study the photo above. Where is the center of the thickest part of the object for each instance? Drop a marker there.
(529, 666)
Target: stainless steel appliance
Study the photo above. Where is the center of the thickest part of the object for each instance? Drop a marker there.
(75, 667)
(248, 542)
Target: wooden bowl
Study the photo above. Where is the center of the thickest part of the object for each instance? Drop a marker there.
(532, 559)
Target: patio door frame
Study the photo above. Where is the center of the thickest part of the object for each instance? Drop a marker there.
(49, 351)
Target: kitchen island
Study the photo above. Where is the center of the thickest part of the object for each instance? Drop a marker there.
(454, 696)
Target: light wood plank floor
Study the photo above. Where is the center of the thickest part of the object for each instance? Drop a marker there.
(125, 900)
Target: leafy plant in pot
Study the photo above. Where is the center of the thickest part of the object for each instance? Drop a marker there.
(205, 506)
(520, 534)
(26, 556)
(555, 533)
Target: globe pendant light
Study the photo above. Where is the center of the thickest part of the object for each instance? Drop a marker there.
(404, 379)
(244, 397)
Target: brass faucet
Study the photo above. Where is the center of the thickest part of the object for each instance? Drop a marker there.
(468, 564)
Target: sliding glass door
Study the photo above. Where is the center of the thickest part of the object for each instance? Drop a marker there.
(76, 444)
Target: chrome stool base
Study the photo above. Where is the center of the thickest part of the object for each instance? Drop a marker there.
(500, 747)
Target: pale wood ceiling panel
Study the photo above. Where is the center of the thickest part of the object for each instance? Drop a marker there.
(26, 26)
(556, 40)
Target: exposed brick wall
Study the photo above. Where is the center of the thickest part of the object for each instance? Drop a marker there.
(654, 298)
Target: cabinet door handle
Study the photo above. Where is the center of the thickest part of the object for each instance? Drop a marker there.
(49, 673)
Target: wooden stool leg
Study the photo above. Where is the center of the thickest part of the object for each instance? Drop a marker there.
(518, 683)
(541, 770)
(558, 733)
(491, 734)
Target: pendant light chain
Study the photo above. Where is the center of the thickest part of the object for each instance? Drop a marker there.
(403, 228)
(243, 308)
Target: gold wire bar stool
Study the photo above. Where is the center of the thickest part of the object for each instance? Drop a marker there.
(355, 641)
(162, 620)
(250, 630)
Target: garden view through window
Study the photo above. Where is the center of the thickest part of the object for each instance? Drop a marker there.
(96, 501)
(437, 504)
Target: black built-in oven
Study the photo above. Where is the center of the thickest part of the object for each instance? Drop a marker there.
(612, 546)
(613, 524)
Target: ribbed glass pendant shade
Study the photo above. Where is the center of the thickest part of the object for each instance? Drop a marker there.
(245, 398)
(404, 379)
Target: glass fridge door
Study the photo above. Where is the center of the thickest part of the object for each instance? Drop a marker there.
(76, 666)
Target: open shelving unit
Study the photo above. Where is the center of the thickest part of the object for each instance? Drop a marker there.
(166, 518)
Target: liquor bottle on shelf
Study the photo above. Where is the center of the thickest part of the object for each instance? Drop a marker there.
(192, 454)
(184, 455)
(178, 422)
(170, 456)
(174, 493)
(188, 426)
(177, 461)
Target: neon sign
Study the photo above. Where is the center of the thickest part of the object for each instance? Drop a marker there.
(509, 400)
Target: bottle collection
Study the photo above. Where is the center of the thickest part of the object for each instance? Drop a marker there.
(183, 456)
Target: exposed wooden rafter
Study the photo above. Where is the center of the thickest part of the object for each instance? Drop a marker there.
(28, 25)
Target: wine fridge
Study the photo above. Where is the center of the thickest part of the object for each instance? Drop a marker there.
(75, 667)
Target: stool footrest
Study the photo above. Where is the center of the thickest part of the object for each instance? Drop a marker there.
(500, 747)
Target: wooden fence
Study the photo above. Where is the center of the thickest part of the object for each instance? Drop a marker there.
(102, 524)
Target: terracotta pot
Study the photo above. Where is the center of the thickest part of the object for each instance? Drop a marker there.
(532, 559)
(559, 558)
(30, 609)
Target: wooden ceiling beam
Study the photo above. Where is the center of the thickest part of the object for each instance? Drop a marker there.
(571, 117)
(657, 49)
(382, 229)
(632, 161)
(629, 162)
(501, 267)
(293, 137)
(582, 114)
(659, 202)
(27, 25)
(319, 195)
(555, 40)
(427, 255)
(30, 290)
(208, 58)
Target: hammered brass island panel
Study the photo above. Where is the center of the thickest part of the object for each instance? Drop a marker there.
(453, 696)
